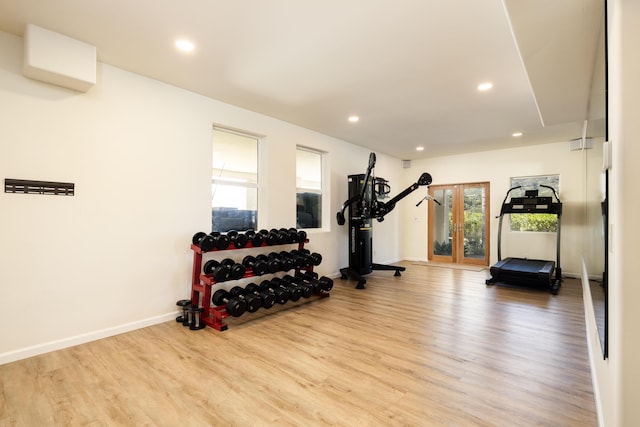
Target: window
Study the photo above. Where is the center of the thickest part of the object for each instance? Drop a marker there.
(234, 181)
(308, 188)
(535, 222)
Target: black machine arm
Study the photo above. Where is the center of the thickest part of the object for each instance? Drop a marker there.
(358, 197)
(380, 209)
(372, 164)
(345, 205)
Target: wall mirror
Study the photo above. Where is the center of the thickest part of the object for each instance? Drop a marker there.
(596, 188)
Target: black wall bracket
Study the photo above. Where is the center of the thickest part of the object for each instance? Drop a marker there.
(24, 186)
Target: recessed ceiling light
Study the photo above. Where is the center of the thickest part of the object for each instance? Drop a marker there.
(516, 134)
(485, 86)
(354, 119)
(185, 45)
(419, 148)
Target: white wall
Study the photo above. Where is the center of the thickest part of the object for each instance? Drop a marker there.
(116, 255)
(497, 167)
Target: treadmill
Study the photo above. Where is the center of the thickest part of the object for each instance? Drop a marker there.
(523, 271)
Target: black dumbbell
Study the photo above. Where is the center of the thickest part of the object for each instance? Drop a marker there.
(301, 280)
(194, 314)
(321, 285)
(303, 257)
(267, 298)
(184, 305)
(273, 238)
(310, 259)
(297, 260)
(277, 239)
(204, 240)
(306, 274)
(286, 263)
(197, 237)
(253, 301)
(290, 235)
(273, 265)
(293, 234)
(235, 306)
(302, 235)
(325, 283)
(258, 267)
(236, 270)
(309, 274)
(283, 235)
(314, 257)
(270, 237)
(256, 239)
(295, 291)
(306, 287)
(219, 271)
(221, 241)
(238, 240)
(297, 236)
(286, 238)
(282, 295)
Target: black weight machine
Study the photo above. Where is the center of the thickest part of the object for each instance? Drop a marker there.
(363, 206)
(524, 271)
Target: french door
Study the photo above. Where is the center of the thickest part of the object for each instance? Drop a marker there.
(459, 223)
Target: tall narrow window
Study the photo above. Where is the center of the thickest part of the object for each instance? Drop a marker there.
(535, 222)
(308, 188)
(234, 181)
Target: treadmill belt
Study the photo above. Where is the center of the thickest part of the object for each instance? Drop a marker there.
(525, 266)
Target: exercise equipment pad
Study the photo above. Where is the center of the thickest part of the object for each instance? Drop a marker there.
(523, 271)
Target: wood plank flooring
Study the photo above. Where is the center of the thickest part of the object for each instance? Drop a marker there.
(433, 347)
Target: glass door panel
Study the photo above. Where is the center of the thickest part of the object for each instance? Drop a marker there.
(441, 220)
(474, 224)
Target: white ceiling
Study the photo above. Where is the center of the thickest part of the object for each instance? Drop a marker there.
(408, 68)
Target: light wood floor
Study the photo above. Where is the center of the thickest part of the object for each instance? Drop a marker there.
(433, 347)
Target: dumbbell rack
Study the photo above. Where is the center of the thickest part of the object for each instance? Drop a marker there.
(201, 285)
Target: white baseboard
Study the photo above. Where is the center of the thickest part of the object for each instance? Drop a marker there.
(413, 259)
(24, 353)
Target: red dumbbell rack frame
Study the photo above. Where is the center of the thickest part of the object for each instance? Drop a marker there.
(201, 285)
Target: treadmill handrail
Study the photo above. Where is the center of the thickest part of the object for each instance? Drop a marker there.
(554, 191)
(504, 202)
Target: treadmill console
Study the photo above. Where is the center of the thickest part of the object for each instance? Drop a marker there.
(531, 204)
